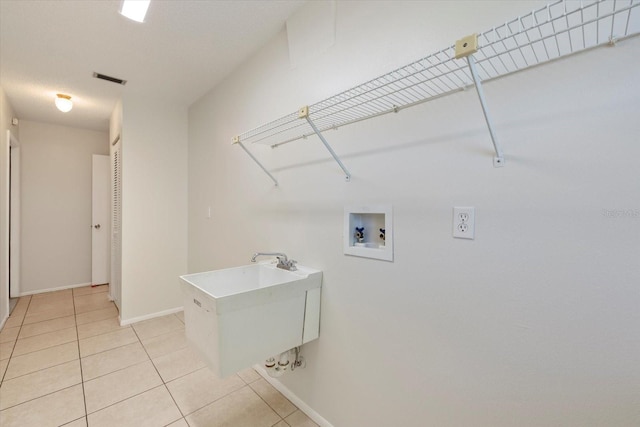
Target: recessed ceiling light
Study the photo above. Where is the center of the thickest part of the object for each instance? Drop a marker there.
(135, 9)
(64, 103)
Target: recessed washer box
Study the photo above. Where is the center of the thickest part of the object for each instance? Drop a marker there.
(372, 218)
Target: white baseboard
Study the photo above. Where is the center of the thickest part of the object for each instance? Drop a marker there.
(3, 321)
(60, 288)
(317, 418)
(124, 322)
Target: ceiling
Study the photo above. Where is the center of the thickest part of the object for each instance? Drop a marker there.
(184, 49)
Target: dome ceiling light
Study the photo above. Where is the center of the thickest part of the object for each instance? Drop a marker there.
(64, 103)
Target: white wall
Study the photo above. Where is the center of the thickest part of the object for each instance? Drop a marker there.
(56, 204)
(154, 207)
(6, 114)
(535, 322)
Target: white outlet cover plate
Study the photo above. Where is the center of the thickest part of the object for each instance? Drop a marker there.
(464, 219)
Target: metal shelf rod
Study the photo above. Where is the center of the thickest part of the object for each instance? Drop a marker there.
(237, 141)
(498, 161)
(304, 113)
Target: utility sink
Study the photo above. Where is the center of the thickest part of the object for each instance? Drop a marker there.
(237, 317)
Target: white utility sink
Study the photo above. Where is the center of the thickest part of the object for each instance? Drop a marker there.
(237, 317)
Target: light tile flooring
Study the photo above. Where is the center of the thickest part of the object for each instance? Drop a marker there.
(65, 360)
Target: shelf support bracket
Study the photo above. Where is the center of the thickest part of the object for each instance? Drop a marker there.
(303, 113)
(466, 47)
(236, 140)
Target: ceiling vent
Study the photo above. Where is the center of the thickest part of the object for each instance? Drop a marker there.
(109, 78)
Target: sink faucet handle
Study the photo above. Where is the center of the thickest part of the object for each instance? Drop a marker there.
(283, 262)
(290, 265)
(286, 263)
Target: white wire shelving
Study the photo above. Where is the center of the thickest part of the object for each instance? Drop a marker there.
(555, 31)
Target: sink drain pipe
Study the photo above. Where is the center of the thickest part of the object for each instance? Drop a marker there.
(277, 366)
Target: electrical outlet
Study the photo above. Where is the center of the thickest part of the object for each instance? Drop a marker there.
(464, 222)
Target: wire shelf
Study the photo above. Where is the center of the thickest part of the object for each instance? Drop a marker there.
(557, 30)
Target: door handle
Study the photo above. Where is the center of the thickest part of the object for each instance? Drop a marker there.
(97, 226)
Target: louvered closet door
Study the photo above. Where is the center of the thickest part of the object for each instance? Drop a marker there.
(116, 222)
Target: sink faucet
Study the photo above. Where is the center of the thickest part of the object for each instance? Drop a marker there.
(283, 262)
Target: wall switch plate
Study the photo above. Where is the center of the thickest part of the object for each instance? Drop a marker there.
(464, 222)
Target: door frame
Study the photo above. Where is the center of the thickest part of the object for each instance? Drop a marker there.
(11, 224)
(14, 218)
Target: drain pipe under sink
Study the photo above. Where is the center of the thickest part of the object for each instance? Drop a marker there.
(283, 364)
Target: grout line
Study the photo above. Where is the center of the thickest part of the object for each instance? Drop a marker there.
(19, 338)
(44, 395)
(118, 370)
(77, 419)
(54, 330)
(119, 328)
(105, 307)
(267, 403)
(91, 293)
(210, 403)
(175, 421)
(111, 305)
(108, 349)
(124, 400)
(45, 320)
(108, 318)
(155, 337)
(14, 343)
(251, 382)
(41, 369)
(158, 372)
(103, 351)
(147, 339)
(84, 396)
(45, 348)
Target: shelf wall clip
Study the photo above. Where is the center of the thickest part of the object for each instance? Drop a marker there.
(236, 140)
(303, 113)
(466, 47)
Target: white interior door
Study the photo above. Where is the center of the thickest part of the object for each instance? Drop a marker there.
(100, 226)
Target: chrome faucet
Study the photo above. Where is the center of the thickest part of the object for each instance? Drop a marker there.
(283, 262)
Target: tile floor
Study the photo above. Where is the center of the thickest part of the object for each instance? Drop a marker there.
(65, 360)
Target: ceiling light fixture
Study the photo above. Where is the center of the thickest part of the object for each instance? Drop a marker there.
(64, 103)
(135, 9)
